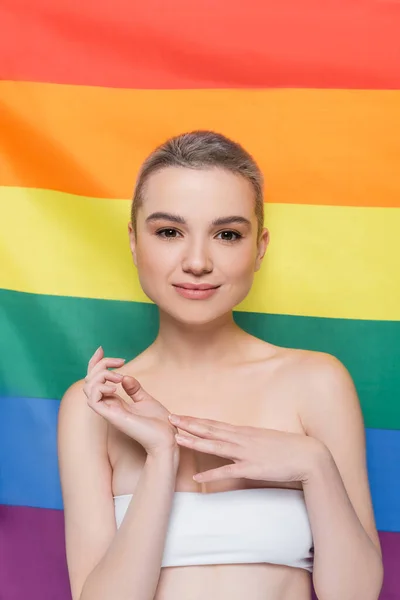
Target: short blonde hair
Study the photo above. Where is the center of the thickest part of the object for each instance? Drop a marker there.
(201, 150)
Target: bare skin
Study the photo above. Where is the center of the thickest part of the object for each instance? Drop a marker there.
(203, 365)
(268, 378)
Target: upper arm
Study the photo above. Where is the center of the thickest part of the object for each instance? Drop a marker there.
(86, 484)
(331, 413)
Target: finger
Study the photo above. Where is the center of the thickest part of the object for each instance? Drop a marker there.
(99, 353)
(105, 363)
(112, 409)
(104, 376)
(107, 388)
(101, 377)
(206, 427)
(109, 408)
(133, 388)
(225, 472)
(102, 389)
(216, 447)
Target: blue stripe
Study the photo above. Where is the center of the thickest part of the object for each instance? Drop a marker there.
(383, 461)
(29, 469)
(28, 453)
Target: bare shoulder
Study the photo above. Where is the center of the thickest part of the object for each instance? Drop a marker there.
(324, 379)
(75, 413)
(324, 387)
(79, 430)
(85, 476)
(319, 364)
(314, 371)
(330, 411)
(72, 394)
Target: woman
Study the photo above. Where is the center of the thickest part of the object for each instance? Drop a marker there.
(274, 435)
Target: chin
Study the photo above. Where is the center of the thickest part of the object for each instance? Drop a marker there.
(196, 312)
(197, 317)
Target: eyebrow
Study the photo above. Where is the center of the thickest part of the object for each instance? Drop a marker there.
(158, 216)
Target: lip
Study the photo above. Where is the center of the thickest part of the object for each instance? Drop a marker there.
(192, 291)
(195, 286)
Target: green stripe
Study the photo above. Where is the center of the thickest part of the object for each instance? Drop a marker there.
(46, 341)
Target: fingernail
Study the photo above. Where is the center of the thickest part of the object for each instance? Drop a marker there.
(98, 348)
(174, 419)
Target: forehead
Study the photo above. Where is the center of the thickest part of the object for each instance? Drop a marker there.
(204, 191)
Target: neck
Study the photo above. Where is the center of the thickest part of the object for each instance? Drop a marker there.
(197, 347)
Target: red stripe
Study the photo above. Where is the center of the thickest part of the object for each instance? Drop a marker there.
(183, 44)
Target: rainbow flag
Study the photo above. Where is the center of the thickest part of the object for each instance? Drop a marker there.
(87, 90)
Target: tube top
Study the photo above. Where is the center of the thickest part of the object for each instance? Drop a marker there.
(263, 525)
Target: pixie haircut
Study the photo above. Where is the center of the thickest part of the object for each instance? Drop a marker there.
(201, 150)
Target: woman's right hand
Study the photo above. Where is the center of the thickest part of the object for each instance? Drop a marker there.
(145, 419)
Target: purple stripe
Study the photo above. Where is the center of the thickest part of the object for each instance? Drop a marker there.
(390, 542)
(34, 565)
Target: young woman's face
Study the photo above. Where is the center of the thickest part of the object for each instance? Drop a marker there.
(197, 227)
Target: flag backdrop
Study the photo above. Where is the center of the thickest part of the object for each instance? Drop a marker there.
(87, 90)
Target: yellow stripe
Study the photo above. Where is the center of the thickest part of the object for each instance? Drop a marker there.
(323, 261)
(331, 147)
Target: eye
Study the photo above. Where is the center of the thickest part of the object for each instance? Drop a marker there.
(230, 236)
(167, 233)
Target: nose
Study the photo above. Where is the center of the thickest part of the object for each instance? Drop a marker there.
(197, 258)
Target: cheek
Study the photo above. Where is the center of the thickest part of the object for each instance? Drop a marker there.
(146, 263)
(147, 267)
(151, 271)
(154, 263)
(241, 263)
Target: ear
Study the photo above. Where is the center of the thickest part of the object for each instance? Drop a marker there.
(261, 248)
(132, 242)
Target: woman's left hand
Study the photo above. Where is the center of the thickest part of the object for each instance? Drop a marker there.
(265, 454)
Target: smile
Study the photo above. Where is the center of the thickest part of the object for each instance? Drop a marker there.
(196, 292)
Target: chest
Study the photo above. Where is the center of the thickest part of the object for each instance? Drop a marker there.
(237, 401)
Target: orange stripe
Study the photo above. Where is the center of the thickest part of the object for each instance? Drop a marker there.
(335, 147)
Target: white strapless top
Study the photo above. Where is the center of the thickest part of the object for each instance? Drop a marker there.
(263, 525)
